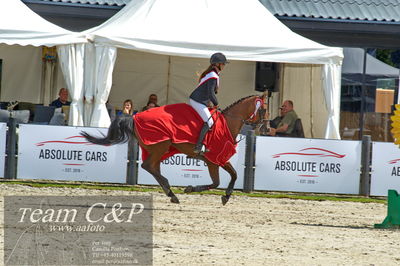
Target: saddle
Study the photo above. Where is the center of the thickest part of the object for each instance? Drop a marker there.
(180, 123)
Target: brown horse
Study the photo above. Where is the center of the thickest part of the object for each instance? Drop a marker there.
(122, 130)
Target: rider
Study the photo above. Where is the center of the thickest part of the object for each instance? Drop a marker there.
(205, 93)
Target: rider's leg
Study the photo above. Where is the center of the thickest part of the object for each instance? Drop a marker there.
(203, 133)
(205, 114)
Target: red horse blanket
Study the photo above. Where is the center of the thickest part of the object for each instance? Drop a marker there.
(181, 124)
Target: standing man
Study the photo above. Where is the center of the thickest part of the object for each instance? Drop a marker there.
(287, 123)
(62, 99)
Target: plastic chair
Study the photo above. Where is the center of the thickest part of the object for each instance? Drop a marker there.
(58, 119)
(21, 116)
(298, 131)
(43, 114)
(4, 116)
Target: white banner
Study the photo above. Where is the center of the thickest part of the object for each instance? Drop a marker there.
(3, 139)
(61, 153)
(183, 171)
(385, 173)
(307, 165)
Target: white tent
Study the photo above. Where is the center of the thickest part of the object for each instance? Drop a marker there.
(19, 25)
(198, 28)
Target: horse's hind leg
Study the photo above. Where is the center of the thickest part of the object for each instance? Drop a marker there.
(152, 165)
(228, 192)
(154, 169)
(214, 173)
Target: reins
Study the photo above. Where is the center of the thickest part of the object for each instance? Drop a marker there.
(250, 119)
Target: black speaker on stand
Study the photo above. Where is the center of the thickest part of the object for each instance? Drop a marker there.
(266, 75)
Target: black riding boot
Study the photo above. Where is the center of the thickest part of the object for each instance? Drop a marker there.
(199, 144)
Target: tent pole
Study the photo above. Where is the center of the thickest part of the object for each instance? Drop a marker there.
(311, 100)
(398, 89)
(168, 77)
(42, 83)
(363, 89)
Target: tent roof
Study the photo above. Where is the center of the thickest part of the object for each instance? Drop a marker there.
(20, 25)
(198, 28)
(354, 60)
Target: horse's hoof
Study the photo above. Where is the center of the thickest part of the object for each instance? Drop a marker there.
(224, 199)
(174, 199)
(188, 189)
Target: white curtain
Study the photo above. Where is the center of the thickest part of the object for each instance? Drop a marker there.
(89, 82)
(105, 60)
(49, 68)
(72, 65)
(331, 86)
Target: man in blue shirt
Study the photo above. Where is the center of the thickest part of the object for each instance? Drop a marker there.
(62, 99)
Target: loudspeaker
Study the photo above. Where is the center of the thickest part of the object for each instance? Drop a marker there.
(266, 76)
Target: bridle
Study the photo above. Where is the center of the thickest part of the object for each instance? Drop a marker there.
(252, 120)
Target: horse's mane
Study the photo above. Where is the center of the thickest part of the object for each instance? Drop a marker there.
(237, 102)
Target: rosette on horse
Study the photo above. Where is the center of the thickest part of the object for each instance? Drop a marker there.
(164, 131)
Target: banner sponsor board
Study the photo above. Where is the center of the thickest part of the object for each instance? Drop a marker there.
(3, 139)
(183, 171)
(385, 168)
(61, 153)
(307, 165)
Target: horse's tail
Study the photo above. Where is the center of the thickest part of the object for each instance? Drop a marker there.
(120, 131)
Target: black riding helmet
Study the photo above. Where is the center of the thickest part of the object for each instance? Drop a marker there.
(218, 58)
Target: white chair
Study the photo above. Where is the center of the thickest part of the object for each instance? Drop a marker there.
(21, 116)
(58, 119)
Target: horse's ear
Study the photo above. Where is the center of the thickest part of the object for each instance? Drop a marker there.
(264, 95)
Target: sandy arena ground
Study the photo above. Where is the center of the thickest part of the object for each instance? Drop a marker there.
(257, 231)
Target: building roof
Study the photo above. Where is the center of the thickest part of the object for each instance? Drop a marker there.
(86, 2)
(345, 23)
(362, 10)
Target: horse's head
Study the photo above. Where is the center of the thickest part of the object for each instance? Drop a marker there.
(249, 110)
(257, 109)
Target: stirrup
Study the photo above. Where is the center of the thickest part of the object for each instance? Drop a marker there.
(202, 149)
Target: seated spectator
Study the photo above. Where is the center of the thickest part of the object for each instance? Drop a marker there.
(284, 124)
(62, 99)
(127, 108)
(152, 98)
(149, 106)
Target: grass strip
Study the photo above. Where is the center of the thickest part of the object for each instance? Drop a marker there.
(178, 190)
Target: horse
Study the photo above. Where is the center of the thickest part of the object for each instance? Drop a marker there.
(247, 110)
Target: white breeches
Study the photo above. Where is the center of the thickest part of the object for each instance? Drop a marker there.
(203, 111)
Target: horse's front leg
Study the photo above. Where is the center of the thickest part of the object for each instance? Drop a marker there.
(214, 173)
(228, 192)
